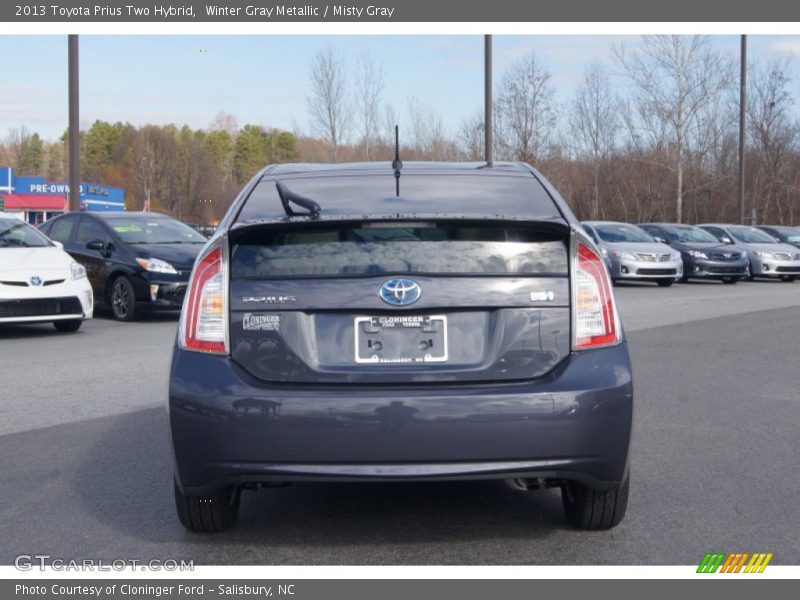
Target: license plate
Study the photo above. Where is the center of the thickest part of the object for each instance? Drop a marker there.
(401, 339)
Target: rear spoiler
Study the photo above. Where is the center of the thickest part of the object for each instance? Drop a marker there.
(551, 223)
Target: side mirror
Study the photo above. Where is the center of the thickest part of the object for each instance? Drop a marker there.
(58, 245)
(660, 240)
(726, 240)
(96, 245)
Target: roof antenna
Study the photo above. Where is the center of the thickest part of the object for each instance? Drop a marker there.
(397, 164)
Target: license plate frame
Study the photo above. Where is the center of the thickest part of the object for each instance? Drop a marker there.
(403, 331)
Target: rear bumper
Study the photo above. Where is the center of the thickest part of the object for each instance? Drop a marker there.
(572, 424)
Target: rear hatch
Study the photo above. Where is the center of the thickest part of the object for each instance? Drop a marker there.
(391, 303)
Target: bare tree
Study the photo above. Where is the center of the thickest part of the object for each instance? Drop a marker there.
(390, 120)
(674, 78)
(772, 132)
(525, 111)
(14, 142)
(428, 133)
(594, 123)
(154, 161)
(471, 136)
(328, 105)
(57, 161)
(224, 121)
(417, 123)
(369, 86)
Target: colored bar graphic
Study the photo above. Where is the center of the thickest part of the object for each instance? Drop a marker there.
(733, 563)
(765, 563)
(741, 562)
(729, 564)
(711, 562)
(758, 563)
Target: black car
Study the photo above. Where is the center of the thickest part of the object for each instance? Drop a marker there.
(134, 261)
(787, 235)
(435, 322)
(205, 230)
(704, 257)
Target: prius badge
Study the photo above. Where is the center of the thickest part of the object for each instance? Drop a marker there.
(400, 292)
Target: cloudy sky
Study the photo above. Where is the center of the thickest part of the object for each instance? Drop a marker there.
(264, 79)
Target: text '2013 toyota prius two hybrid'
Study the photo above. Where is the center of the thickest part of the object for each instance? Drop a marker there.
(363, 322)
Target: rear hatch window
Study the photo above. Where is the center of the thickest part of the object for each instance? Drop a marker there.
(364, 249)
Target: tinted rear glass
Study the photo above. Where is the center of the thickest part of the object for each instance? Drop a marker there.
(90, 230)
(420, 194)
(379, 249)
(61, 229)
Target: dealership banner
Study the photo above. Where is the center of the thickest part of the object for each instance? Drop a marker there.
(398, 589)
(397, 11)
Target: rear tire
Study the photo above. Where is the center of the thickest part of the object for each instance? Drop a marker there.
(788, 278)
(593, 510)
(122, 299)
(69, 326)
(208, 513)
(665, 282)
(730, 280)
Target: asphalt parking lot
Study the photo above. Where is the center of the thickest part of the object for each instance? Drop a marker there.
(87, 465)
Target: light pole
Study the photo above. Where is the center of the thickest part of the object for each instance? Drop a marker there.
(74, 125)
(487, 95)
(742, 106)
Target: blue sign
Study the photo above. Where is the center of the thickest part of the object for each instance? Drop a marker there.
(93, 196)
(37, 185)
(6, 179)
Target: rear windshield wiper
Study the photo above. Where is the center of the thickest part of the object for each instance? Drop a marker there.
(288, 196)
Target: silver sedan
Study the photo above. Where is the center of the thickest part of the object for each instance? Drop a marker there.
(768, 257)
(631, 253)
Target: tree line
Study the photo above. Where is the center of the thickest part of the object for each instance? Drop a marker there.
(651, 135)
(191, 174)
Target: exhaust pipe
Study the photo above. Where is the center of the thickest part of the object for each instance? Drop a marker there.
(526, 485)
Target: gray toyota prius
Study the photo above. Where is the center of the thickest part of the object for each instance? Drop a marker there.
(389, 322)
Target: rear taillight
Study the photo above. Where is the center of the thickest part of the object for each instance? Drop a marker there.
(204, 319)
(595, 313)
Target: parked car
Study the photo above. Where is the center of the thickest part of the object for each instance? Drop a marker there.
(785, 235)
(135, 261)
(633, 254)
(704, 257)
(205, 230)
(39, 282)
(602, 248)
(768, 257)
(436, 322)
